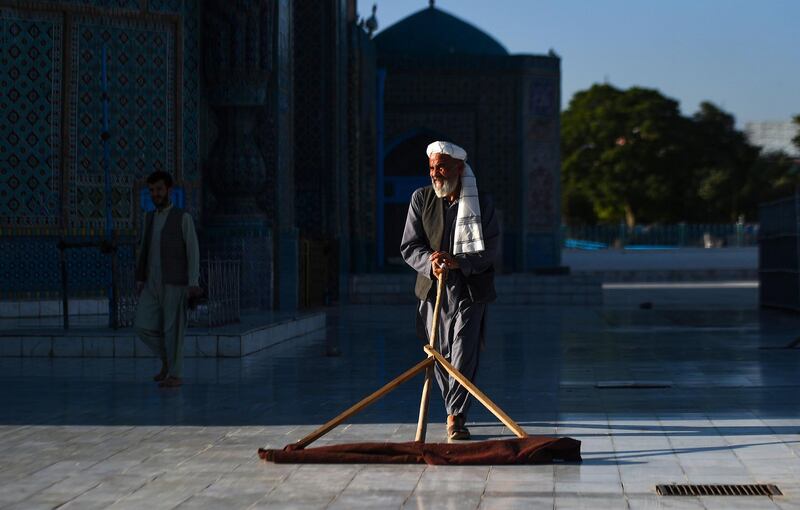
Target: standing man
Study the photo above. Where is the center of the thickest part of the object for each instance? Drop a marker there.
(451, 232)
(167, 273)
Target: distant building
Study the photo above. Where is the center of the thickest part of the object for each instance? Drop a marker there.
(773, 136)
(445, 79)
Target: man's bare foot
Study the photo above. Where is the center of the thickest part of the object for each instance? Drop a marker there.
(171, 382)
(161, 375)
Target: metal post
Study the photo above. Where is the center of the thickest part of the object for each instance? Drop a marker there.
(105, 135)
(62, 253)
(113, 304)
(740, 231)
(236, 291)
(379, 191)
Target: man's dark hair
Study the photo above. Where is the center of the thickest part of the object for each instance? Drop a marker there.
(160, 175)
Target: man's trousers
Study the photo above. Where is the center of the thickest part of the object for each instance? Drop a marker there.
(160, 322)
(459, 339)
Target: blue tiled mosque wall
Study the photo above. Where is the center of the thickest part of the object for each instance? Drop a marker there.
(52, 176)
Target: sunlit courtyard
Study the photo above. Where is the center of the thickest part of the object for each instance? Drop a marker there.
(694, 389)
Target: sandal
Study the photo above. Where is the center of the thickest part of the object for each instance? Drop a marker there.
(456, 428)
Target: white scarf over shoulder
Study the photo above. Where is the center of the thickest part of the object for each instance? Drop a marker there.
(468, 230)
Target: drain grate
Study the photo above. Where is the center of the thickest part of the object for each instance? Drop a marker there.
(718, 490)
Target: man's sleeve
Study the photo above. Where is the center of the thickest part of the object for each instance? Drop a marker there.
(414, 247)
(470, 263)
(192, 249)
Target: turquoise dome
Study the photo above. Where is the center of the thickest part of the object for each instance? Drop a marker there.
(433, 32)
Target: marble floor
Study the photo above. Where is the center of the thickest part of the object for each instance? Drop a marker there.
(97, 433)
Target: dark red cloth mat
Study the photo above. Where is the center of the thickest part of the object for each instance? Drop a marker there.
(529, 450)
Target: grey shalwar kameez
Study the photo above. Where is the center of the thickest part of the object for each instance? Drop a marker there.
(161, 317)
(461, 319)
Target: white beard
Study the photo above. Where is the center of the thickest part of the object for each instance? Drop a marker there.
(448, 186)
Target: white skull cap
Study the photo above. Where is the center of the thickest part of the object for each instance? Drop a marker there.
(451, 149)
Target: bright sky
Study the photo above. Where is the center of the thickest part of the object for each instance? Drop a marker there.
(743, 55)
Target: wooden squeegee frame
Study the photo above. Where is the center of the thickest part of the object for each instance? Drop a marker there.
(427, 364)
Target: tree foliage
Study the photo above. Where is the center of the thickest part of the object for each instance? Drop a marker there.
(630, 155)
(796, 139)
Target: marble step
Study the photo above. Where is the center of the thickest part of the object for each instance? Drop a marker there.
(232, 341)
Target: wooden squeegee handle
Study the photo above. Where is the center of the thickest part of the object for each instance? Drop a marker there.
(422, 422)
(360, 405)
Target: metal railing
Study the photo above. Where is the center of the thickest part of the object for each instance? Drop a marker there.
(596, 237)
(221, 305)
(107, 248)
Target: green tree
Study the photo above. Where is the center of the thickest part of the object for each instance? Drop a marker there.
(722, 163)
(629, 155)
(623, 154)
(771, 178)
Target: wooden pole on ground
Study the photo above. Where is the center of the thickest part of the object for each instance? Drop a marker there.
(478, 394)
(394, 383)
(422, 423)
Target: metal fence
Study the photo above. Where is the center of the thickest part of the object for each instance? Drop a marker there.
(222, 279)
(219, 278)
(596, 237)
(256, 260)
(127, 298)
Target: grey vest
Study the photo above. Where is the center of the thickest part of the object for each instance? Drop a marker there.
(480, 286)
(174, 263)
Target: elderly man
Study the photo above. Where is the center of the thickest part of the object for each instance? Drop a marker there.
(451, 232)
(167, 273)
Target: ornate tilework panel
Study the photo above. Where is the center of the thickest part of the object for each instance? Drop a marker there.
(541, 154)
(90, 199)
(89, 271)
(21, 272)
(540, 204)
(191, 92)
(314, 115)
(540, 164)
(169, 6)
(30, 118)
(137, 49)
(116, 4)
(142, 112)
(542, 97)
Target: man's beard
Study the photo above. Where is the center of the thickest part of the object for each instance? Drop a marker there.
(448, 187)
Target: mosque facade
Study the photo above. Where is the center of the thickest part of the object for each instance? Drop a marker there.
(445, 79)
(292, 133)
